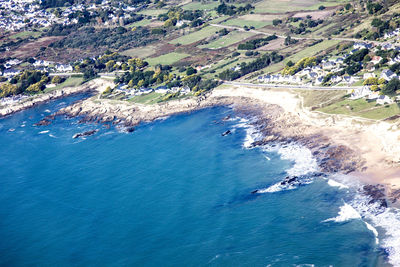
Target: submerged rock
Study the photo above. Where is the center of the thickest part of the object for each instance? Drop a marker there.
(226, 133)
(377, 194)
(43, 122)
(130, 129)
(87, 133)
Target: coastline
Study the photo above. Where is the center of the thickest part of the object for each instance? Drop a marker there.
(367, 150)
(276, 117)
(93, 85)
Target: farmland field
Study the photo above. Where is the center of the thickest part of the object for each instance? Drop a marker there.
(227, 40)
(241, 23)
(200, 6)
(143, 22)
(140, 52)
(167, 59)
(279, 6)
(195, 36)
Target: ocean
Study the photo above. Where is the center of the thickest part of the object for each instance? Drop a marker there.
(176, 193)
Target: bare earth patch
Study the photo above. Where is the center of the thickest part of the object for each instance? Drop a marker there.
(320, 14)
(32, 48)
(276, 44)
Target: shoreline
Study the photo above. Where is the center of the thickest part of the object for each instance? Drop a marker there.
(278, 118)
(341, 145)
(93, 85)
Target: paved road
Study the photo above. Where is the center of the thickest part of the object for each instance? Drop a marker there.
(302, 87)
(294, 37)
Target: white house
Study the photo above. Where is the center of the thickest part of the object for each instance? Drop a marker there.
(361, 92)
(328, 65)
(369, 75)
(376, 59)
(11, 72)
(384, 99)
(388, 75)
(63, 68)
(360, 45)
(336, 79)
(319, 80)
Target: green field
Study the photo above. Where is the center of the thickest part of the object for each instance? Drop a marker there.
(24, 35)
(313, 50)
(167, 59)
(69, 82)
(306, 52)
(362, 108)
(143, 22)
(151, 98)
(140, 52)
(201, 6)
(279, 6)
(227, 40)
(153, 12)
(195, 36)
(241, 23)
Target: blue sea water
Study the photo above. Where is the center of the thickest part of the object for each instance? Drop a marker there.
(173, 193)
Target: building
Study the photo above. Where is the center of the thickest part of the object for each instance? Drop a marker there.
(388, 75)
(384, 99)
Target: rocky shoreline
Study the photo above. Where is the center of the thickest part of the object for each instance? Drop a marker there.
(271, 120)
(91, 86)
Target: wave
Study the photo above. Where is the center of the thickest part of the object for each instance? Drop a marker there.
(387, 219)
(374, 231)
(43, 132)
(333, 183)
(304, 162)
(345, 214)
(287, 184)
(252, 134)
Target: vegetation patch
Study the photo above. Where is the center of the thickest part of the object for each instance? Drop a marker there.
(247, 23)
(167, 59)
(230, 39)
(195, 36)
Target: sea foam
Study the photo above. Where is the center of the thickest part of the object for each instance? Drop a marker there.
(345, 214)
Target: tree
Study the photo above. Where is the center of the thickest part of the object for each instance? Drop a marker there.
(190, 71)
(391, 87)
(348, 6)
(276, 22)
(321, 7)
(57, 80)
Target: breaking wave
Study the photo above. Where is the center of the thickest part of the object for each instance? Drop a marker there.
(345, 214)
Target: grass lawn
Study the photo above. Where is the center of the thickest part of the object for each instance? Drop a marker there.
(140, 52)
(195, 36)
(26, 34)
(167, 59)
(153, 12)
(241, 23)
(382, 112)
(219, 19)
(201, 6)
(151, 98)
(362, 108)
(320, 98)
(279, 6)
(69, 82)
(143, 22)
(227, 40)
